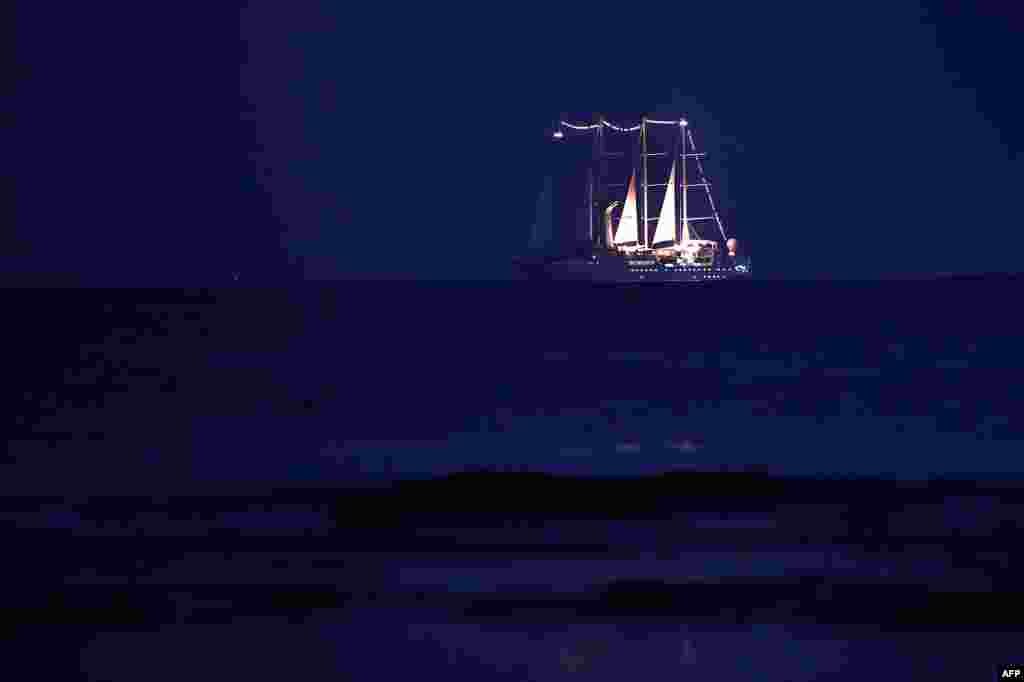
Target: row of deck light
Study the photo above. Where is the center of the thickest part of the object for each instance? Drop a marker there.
(709, 275)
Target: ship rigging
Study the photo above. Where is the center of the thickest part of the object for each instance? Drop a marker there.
(677, 249)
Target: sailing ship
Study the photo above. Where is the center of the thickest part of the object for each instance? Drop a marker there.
(624, 248)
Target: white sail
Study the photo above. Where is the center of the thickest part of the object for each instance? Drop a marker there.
(666, 230)
(628, 228)
(686, 232)
(609, 224)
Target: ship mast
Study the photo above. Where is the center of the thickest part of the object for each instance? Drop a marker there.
(684, 226)
(643, 155)
(594, 180)
(598, 155)
(590, 197)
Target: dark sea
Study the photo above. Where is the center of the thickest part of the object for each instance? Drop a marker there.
(509, 481)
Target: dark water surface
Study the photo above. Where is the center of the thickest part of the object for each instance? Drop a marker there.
(205, 484)
(904, 379)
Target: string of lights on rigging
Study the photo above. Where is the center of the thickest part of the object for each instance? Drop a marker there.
(621, 129)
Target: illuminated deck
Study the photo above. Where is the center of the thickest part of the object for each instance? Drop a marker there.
(623, 270)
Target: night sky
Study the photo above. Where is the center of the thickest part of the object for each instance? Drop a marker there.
(861, 141)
